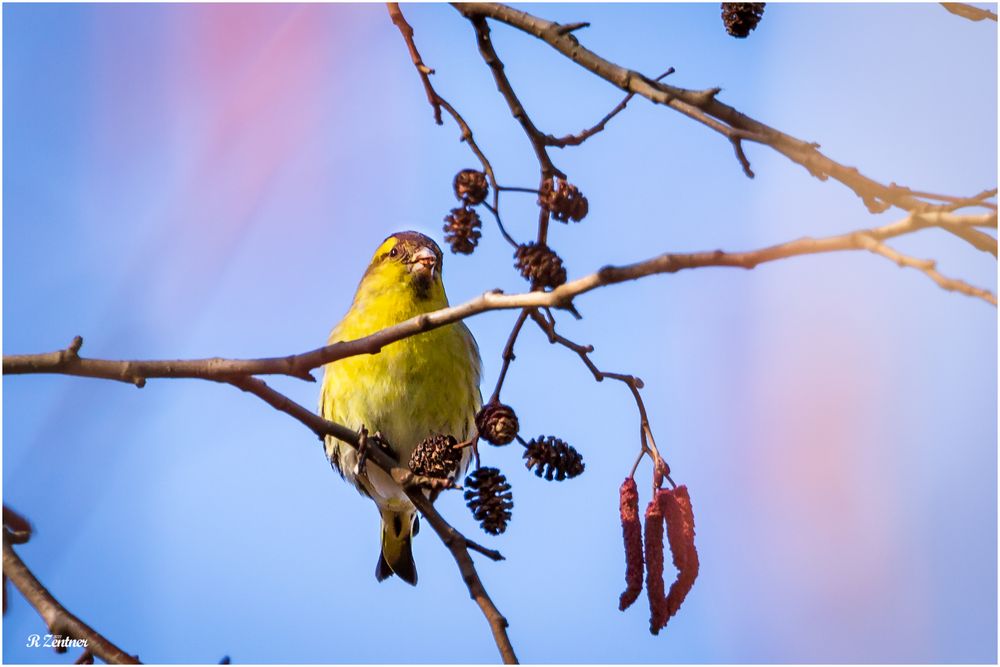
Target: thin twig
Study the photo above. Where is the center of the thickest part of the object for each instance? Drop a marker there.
(58, 619)
(548, 326)
(496, 66)
(503, 230)
(507, 188)
(407, 30)
(580, 137)
(508, 354)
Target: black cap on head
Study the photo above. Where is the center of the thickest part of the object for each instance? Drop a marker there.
(418, 240)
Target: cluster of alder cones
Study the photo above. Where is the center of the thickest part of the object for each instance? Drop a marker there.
(537, 262)
(487, 491)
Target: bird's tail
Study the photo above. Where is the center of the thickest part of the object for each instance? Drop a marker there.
(398, 528)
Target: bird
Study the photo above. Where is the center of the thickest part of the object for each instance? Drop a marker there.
(422, 386)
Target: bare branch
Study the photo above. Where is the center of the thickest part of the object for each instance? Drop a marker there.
(68, 362)
(508, 354)
(407, 30)
(496, 66)
(58, 619)
(577, 139)
(700, 105)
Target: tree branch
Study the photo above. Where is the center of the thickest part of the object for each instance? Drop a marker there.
(699, 105)
(508, 354)
(496, 66)
(68, 361)
(58, 619)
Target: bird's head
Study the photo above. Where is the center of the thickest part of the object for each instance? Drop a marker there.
(407, 264)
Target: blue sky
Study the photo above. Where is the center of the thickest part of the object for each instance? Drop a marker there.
(190, 181)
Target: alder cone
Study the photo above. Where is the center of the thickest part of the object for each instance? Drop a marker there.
(540, 265)
(471, 186)
(740, 18)
(488, 496)
(563, 200)
(497, 423)
(462, 230)
(552, 458)
(436, 456)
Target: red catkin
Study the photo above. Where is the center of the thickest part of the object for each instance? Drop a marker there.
(632, 535)
(654, 567)
(675, 506)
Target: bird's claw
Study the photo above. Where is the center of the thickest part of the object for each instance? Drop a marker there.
(381, 443)
(359, 467)
(365, 441)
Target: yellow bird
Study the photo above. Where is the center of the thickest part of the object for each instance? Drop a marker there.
(417, 387)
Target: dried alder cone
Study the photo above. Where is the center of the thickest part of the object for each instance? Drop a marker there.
(563, 200)
(551, 457)
(461, 230)
(488, 496)
(540, 264)
(497, 423)
(741, 18)
(436, 456)
(632, 535)
(471, 186)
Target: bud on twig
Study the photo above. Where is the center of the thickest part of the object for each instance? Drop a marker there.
(462, 230)
(632, 535)
(497, 423)
(488, 496)
(550, 456)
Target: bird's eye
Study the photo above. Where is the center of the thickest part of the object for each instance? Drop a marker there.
(393, 252)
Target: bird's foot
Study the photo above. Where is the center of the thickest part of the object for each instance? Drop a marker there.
(379, 441)
(359, 467)
(365, 442)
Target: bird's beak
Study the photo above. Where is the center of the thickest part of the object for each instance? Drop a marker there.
(423, 262)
